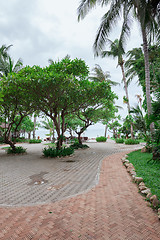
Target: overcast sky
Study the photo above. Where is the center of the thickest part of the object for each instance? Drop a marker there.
(43, 29)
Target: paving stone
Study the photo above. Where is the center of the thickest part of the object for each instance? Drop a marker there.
(107, 209)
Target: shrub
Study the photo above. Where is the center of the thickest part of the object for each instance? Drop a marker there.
(53, 152)
(35, 141)
(20, 140)
(1, 140)
(156, 153)
(78, 145)
(101, 139)
(131, 141)
(17, 150)
(119, 140)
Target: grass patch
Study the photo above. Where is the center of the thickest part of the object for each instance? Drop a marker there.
(149, 171)
(5, 148)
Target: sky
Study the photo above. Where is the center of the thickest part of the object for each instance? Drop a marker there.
(47, 29)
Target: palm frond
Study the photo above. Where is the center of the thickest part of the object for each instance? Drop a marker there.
(87, 5)
(50, 61)
(108, 21)
(84, 7)
(18, 66)
(125, 31)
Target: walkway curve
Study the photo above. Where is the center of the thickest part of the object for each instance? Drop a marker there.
(112, 210)
(31, 179)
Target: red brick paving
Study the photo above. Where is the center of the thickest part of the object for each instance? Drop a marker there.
(113, 210)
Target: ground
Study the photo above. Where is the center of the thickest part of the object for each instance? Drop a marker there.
(86, 196)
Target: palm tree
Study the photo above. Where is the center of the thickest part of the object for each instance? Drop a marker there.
(146, 12)
(49, 125)
(139, 120)
(139, 98)
(7, 64)
(117, 52)
(98, 75)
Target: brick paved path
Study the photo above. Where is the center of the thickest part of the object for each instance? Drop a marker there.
(31, 179)
(111, 210)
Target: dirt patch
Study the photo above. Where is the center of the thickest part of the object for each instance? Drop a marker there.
(37, 179)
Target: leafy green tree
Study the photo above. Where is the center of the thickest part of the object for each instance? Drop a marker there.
(55, 89)
(114, 127)
(17, 102)
(62, 89)
(72, 123)
(99, 105)
(26, 126)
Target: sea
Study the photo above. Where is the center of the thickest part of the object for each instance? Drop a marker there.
(92, 132)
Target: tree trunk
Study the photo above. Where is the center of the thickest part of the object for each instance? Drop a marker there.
(34, 130)
(11, 143)
(29, 135)
(53, 132)
(79, 137)
(126, 91)
(105, 133)
(147, 76)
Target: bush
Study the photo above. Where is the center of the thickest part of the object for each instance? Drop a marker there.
(53, 152)
(35, 141)
(20, 140)
(17, 150)
(1, 140)
(119, 140)
(78, 145)
(131, 141)
(101, 139)
(156, 153)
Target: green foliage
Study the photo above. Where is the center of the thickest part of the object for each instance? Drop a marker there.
(156, 153)
(74, 141)
(130, 141)
(1, 140)
(35, 141)
(78, 145)
(135, 66)
(101, 139)
(125, 100)
(21, 140)
(54, 152)
(147, 170)
(17, 150)
(119, 140)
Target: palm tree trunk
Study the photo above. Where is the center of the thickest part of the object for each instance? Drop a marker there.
(147, 76)
(126, 91)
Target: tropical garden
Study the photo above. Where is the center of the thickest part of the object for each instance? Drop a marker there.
(70, 97)
(143, 63)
